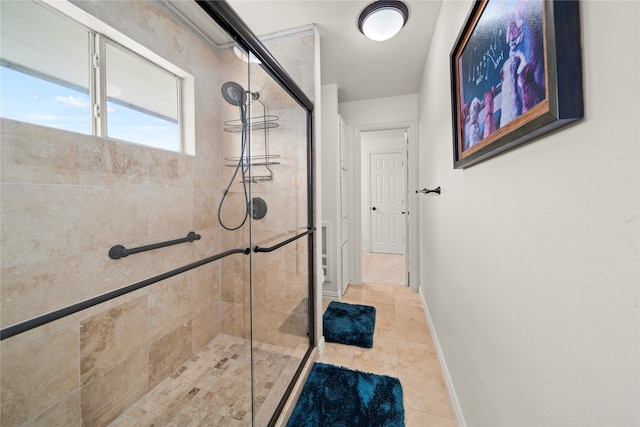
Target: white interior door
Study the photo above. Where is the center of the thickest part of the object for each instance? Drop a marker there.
(387, 202)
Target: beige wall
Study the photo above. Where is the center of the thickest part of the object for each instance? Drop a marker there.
(529, 260)
(67, 198)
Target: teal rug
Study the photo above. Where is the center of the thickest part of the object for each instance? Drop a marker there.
(350, 324)
(339, 397)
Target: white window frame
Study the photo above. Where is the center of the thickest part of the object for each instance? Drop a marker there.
(100, 30)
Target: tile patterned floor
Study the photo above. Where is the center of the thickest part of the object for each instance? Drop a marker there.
(213, 388)
(402, 348)
(383, 269)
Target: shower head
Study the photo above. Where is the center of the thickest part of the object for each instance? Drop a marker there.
(233, 93)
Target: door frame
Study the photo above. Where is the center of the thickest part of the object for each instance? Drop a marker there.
(412, 246)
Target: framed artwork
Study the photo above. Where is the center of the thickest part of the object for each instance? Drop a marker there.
(516, 73)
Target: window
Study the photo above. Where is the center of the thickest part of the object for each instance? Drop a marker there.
(83, 76)
(143, 110)
(45, 73)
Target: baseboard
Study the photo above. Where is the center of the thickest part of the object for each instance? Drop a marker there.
(332, 295)
(443, 364)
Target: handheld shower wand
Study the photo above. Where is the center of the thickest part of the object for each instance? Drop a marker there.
(235, 95)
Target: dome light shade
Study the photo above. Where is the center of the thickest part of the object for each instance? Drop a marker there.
(383, 19)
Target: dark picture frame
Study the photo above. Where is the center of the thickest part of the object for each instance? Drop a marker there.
(516, 74)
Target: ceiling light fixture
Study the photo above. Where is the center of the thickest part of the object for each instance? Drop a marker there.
(383, 19)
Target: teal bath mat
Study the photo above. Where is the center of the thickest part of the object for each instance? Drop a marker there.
(340, 397)
(350, 324)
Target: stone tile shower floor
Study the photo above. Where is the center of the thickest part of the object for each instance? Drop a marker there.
(213, 387)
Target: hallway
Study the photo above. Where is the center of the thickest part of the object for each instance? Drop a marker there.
(402, 348)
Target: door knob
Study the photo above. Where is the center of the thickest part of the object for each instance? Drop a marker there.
(373, 208)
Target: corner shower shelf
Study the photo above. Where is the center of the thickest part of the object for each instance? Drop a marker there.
(265, 160)
(259, 160)
(254, 123)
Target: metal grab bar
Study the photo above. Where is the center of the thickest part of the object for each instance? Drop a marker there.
(119, 251)
(27, 325)
(286, 242)
(35, 322)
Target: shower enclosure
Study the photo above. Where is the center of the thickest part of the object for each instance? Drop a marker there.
(109, 314)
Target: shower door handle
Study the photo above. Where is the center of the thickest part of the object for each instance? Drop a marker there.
(310, 230)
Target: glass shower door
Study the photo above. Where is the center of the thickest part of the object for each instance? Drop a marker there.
(266, 297)
(279, 240)
(265, 207)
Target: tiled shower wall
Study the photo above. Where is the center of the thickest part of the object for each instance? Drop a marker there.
(66, 198)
